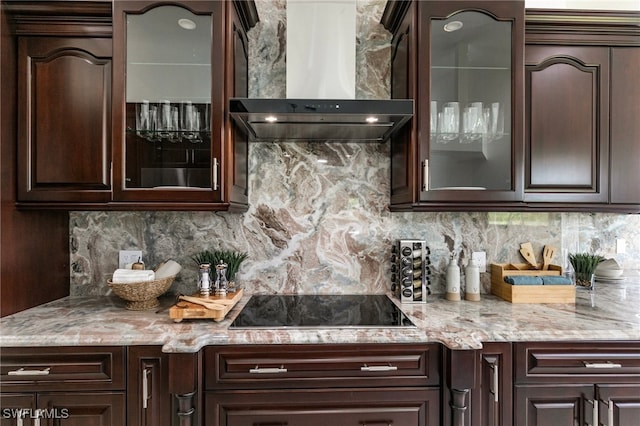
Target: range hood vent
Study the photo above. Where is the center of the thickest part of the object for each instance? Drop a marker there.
(320, 119)
(320, 99)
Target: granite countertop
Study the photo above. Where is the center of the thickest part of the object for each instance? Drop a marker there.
(611, 312)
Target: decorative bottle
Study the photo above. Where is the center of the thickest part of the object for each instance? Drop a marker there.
(453, 280)
(472, 282)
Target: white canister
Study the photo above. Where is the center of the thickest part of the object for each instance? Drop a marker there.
(472, 282)
(453, 280)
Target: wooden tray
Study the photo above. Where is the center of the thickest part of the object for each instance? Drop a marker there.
(529, 293)
(187, 310)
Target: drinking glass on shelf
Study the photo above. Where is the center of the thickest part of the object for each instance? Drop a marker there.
(142, 119)
(164, 121)
(174, 130)
(449, 122)
(189, 117)
(473, 122)
(433, 123)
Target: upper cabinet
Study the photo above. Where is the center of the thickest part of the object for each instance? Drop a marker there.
(175, 66)
(515, 111)
(64, 108)
(123, 105)
(582, 132)
(462, 62)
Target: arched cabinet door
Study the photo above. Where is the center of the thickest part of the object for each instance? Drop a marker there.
(567, 124)
(64, 116)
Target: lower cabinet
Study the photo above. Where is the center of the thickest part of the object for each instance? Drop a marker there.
(148, 398)
(311, 385)
(558, 384)
(491, 398)
(336, 407)
(68, 386)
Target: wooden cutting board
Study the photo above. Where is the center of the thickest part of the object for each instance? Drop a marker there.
(188, 310)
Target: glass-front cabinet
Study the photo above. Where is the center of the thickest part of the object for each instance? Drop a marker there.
(173, 142)
(466, 73)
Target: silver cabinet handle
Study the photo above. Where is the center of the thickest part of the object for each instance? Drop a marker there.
(215, 174)
(272, 370)
(425, 175)
(595, 412)
(602, 364)
(23, 372)
(378, 368)
(496, 380)
(610, 413)
(145, 388)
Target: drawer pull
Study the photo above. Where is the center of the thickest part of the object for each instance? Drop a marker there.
(272, 370)
(383, 423)
(23, 372)
(607, 364)
(378, 368)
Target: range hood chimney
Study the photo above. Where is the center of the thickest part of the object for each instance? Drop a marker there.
(320, 103)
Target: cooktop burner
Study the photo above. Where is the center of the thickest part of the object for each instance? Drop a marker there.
(320, 311)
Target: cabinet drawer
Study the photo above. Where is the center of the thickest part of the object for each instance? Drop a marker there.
(62, 368)
(580, 362)
(288, 366)
(319, 407)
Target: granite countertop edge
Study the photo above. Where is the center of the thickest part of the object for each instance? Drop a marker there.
(612, 315)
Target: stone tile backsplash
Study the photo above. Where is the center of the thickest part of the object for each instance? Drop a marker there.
(325, 227)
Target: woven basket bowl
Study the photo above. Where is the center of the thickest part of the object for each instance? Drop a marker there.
(142, 296)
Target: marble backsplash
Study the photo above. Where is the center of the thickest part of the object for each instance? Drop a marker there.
(324, 227)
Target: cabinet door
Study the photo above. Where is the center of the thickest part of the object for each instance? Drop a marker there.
(64, 119)
(82, 409)
(168, 101)
(237, 154)
(567, 124)
(148, 398)
(17, 409)
(404, 156)
(619, 405)
(470, 96)
(345, 407)
(491, 399)
(553, 405)
(625, 126)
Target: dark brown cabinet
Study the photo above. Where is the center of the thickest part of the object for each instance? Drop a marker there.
(625, 127)
(319, 385)
(463, 149)
(561, 384)
(491, 399)
(63, 128)
(567, 130)
(148, 398)
(174, 146)
(582, 141)
(65, 385)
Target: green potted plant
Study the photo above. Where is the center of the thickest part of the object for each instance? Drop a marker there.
(584, 265)
(232, 259)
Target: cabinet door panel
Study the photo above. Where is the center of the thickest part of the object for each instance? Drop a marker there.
(16, 409)
(619, 405)
(82, 409)
(148, 398)
(625, 126)
(552, 405)
(567, 113)
(64, 119)
(491, 400)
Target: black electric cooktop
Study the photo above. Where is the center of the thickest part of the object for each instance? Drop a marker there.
(320, 311)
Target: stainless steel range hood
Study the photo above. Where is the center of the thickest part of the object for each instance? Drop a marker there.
(320, 104)
(320, 119)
